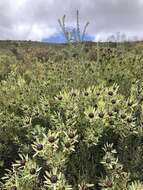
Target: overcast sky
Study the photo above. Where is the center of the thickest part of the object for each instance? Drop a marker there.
(37, 19)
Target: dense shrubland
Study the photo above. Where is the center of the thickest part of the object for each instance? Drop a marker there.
(71, 116)
(71, 122)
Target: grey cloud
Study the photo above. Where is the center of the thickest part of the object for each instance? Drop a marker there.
(36, 19)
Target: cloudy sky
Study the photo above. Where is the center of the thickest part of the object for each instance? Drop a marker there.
(37, 19)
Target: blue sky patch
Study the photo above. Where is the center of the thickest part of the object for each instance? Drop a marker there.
(59, 38)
